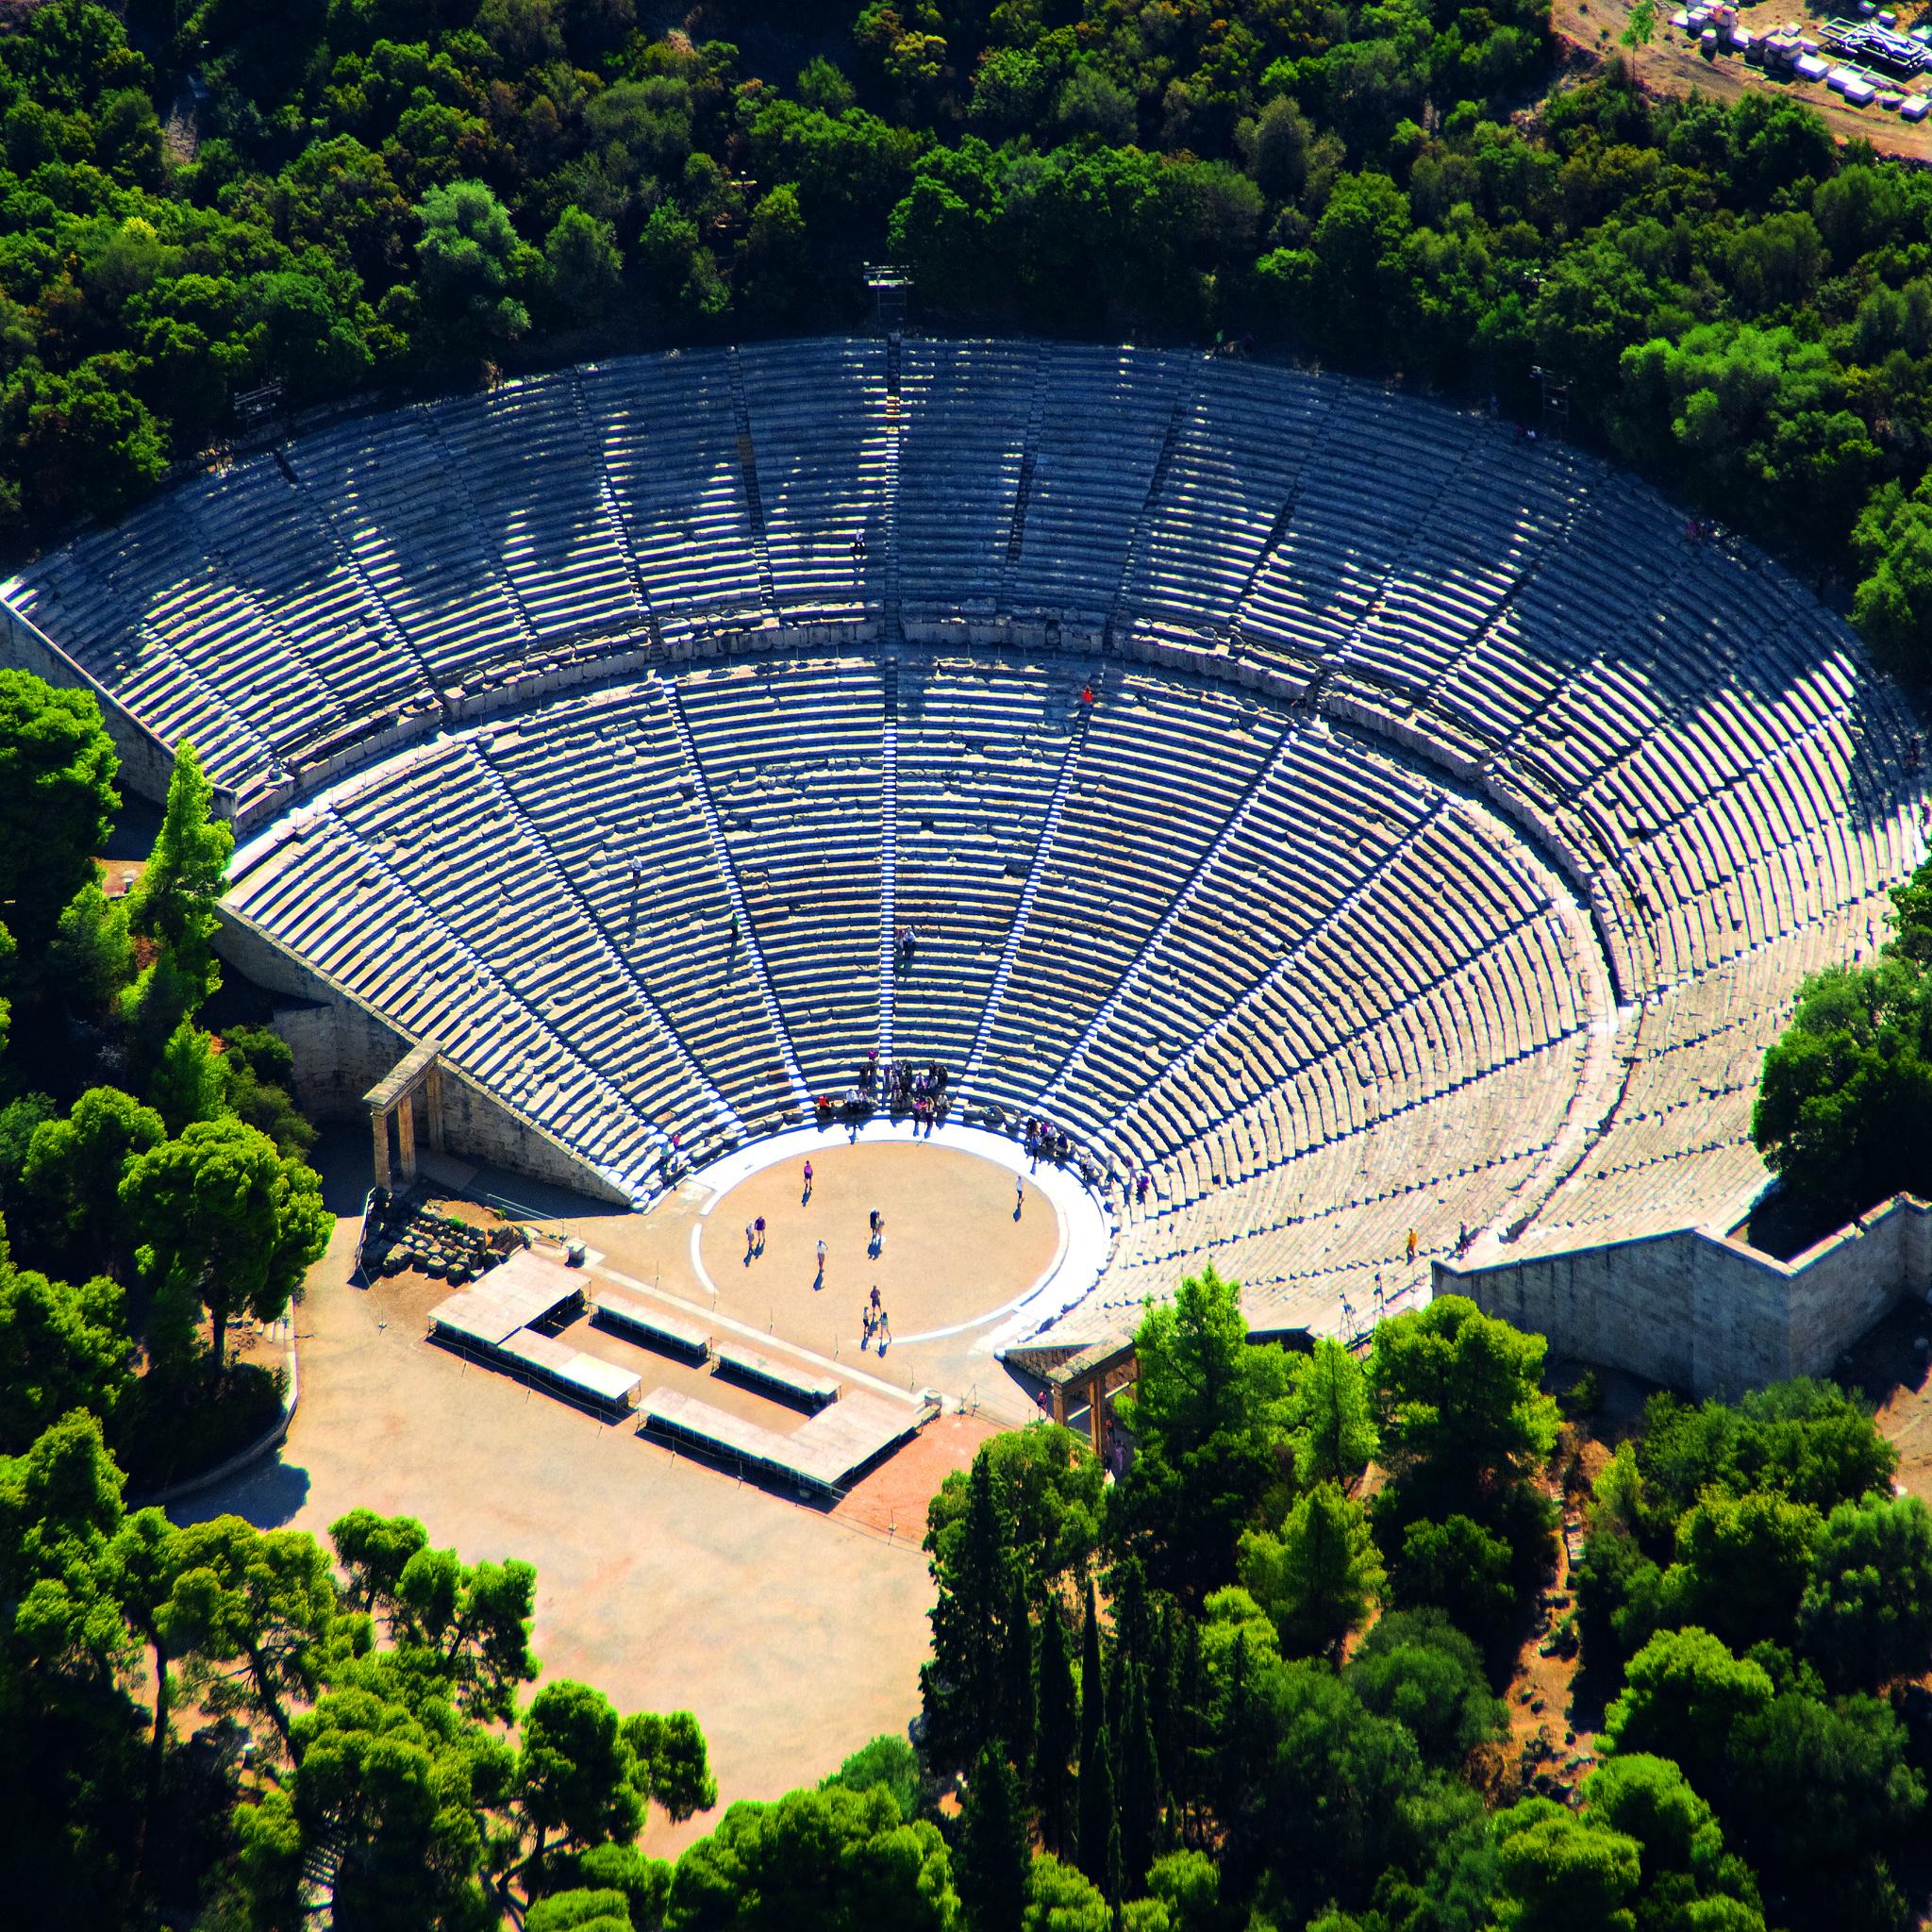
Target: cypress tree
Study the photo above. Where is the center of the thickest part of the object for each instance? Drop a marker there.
(960, 1688)
(1100, 1818)
(1140, 1783)
(1017, 1671)
(1189, 1757)
(1057, 1734)
(995, 1856)
(1097, 1817)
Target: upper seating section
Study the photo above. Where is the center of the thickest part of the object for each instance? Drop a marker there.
(815, 415)
(1506, 599)
(964, 409)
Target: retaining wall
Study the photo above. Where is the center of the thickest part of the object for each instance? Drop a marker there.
(342, 1049)
(1699, 1310)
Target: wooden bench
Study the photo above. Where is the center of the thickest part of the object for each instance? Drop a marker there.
(797, 1385)
(646, 1322)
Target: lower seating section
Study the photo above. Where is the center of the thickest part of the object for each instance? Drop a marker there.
(793, 754)
(1279, 965)
(602, 782)
(1161, 768)
(334, 900)
(981, 744)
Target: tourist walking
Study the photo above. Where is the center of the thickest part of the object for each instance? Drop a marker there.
(807, 1180)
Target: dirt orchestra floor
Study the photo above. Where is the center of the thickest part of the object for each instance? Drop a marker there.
(796, 1633)
(953, 1249)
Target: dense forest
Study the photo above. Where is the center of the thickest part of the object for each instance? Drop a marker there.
(340, 196)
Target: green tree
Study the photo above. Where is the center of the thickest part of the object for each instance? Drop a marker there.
(674, 1762)
(188, 1083)
(1329, 1419)
(1417, 1667)
(471, 262)
(961, 1688)
(1638, 31)
(1139, 1782)
(1844, 1105)
(1209, 1417)
(1055, 1487)
(219, 1215)
(815, 1861)
(1099, 1822)
(577, 1772)
(468, 1626)
(92, 956)
(1318, 1577)
(1564, 1873)
(173, 902)
(1057, 1733)
(1743, 1564)
(256, 1609)
(1688, 1876)
(1061, 1898)
(888, 1760)
(1684, 1696)
(1460, 1399)
(1866, 1613)
(995, 1856)
(61, 1348)
(58, 802)
(583, 264)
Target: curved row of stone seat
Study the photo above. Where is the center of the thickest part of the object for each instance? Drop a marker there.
(348, 910)
(981, 745)
(1425, 556)
(1338, 1214)
(1701, 749)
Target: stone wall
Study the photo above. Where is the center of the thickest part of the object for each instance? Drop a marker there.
(341, 1050)
(1696, 1311)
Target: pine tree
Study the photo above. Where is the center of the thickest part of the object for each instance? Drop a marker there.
(1330, 1425)
(1140, 1783)
(1057, 1734)
(1318, 1577)
(1017, 1696)
(1238, 1748)
(174, 900)
(995, 1854)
